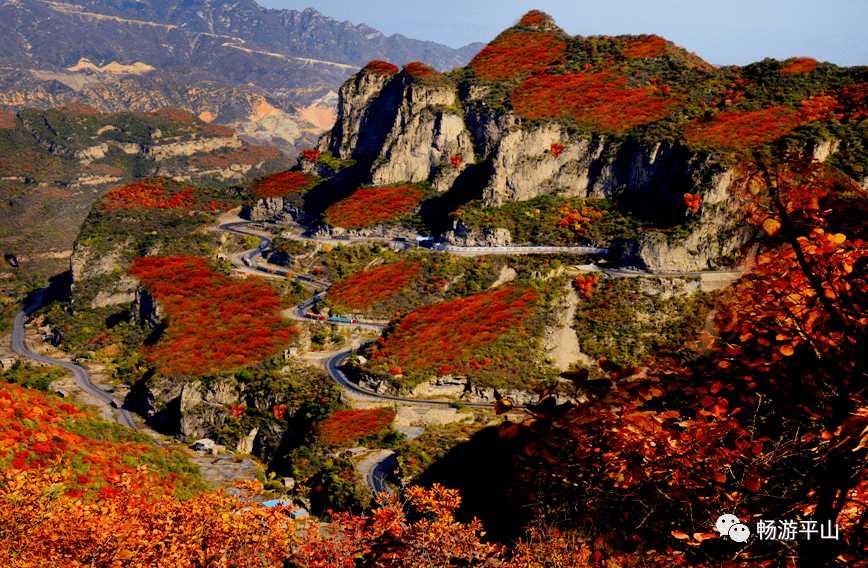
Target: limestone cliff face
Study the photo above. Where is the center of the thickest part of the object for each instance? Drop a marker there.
(396, 128)
(99, 278)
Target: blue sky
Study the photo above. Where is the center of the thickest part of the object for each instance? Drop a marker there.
(734, 32)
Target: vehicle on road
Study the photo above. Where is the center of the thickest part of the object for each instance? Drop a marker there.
(246, 261)
(116, 403)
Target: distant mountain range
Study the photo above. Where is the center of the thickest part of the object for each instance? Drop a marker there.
(268, 73)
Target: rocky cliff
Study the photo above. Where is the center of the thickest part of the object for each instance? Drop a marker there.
(402, 129)
(633, 120)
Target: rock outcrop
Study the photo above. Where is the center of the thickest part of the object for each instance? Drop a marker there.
(398, 128)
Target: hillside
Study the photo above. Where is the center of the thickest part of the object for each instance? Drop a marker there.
(55, 163)
(630, 407)
(270, 74)
(656, 135)
(40, 428)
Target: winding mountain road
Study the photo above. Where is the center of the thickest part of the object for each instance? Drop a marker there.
(81, 377)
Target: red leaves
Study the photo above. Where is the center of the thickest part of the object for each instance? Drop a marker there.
(652, 46)
(584, 284)
(692, 202)
(8, 120)
(279, 411)
(798, 65)
(419, 70)
(771, 226)
(517, 52)
(739, 130)
(149, 194)
(377, 67)
(373, 205)
(284, 183)
(596, 100)
(310, 154)
(446, 333)
(347, 427)
(238, 411)
(456, 161)
(365, 289)
(502, 406)
(557, 148)
(534, 18)
(217, 323)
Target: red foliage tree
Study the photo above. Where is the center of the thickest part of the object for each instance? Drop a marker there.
(377, 67)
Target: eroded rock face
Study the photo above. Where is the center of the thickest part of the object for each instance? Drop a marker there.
(398, 130)
(93, 271)
(460, 235)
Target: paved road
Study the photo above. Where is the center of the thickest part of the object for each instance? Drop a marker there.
(334, 369)
(80, 375)
(378, 474)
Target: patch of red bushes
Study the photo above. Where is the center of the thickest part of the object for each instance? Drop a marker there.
(78, 108)
(214, 323)
(600, 101)
(517, 52)
(36, 429)
(377, 67)
(431, 337)
(738, 130)
(8, 120)
(282, 184)
(150, 193)
(369, 206)
(652, 46)
(364, 289)
(534, 18)
(419, 70)
(798, 65)
(347, 427)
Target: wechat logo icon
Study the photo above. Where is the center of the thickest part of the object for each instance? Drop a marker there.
(729, 525)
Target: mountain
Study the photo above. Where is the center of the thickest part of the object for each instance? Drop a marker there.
(244, 65)
(645, 136)
(55, 163)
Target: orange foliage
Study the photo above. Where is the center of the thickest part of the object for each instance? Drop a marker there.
(8, 120)
(132, 525)
(739, 130)
(585, 284)
(372, 205)
(36, 429)
(311, 154)
(364, 289)
(798, 65)
(430, 337)
(596, 100)
(557, 148)
(377, 67)
(282, 184)
(534, 18)
(148, 194)
(652, 46)
(347, 427)
(456, 161)
(820, 107)
(692, 202)
(216, 323)
(419, 70)
(517, 52)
